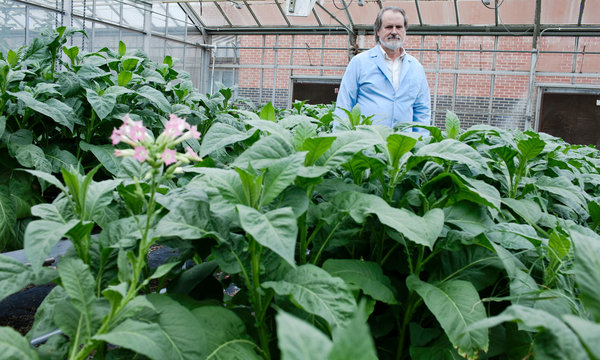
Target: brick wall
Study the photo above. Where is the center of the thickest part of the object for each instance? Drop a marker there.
(471, 91)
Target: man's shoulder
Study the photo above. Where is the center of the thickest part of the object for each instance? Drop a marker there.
(366, 54)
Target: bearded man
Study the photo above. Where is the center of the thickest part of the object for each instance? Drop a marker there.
(385, 81)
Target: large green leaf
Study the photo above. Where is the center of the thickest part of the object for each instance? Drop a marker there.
(279, 175)
(514, 236)
(299, 340)
(366, 275)
(456, 305)
(103, 104)
(32, 156)
(221, 135)
(318, 293)
(263, 152)
(564, 191)
(78, 282)
(456, 151)
(60, 158)
(104, 154)
(156, 97)
(355, 338)
(267, 112)
(421, 230)
(587, 267)
(14, 346)
(522, 285)
(180, 327)
(588, 332)
(530, 148)
(145, 338)
(52, 112)
(452, 125)
(99, 196)
(8, 216)
(276, 229)
(190, 220)
(41, 236)
(398, 145)
(566, 344)
(468, 217)
(267, 127)
(316, 146)
(224, 335)
(525, 208)
(14, 276)
(343, 149)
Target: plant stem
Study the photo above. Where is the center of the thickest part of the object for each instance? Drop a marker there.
(413, 303)
(256, 250)
(316, 259)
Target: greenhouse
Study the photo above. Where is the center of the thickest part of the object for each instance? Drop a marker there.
(299, 179)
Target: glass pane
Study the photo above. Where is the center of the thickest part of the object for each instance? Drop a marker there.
(478, 54)
(106, 36)
(40, 20)
(159, 24)
(12, 29)
(555, 55)
(133, 16)
(133, 40)
(176, 28)
(176, 12)
(472, 99)
(175, 50)
(108, 10)
(157, 49)
(510, 101)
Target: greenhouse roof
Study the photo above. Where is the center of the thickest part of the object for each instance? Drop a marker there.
(425, 16)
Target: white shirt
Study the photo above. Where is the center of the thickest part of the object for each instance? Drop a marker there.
(395, 66)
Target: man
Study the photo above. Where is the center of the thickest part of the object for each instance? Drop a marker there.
(385, 81)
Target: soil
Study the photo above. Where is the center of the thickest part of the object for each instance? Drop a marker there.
(18, 310)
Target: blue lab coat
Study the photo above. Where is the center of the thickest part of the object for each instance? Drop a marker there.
(368, 83)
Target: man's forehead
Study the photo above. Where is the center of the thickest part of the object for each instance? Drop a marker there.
(392, 16)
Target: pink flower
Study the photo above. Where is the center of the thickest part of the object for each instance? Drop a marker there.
(137, 132)
(191, 154)
(175, 126)
(194, 132)
(168, 156)
(140, 153)
(116, 136)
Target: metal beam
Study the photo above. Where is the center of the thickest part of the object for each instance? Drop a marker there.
(347, 13)
(581, 7)
(350, 31)
(222, 12)
(536, 22)
(456, 12)
(196, 20)
(317, 17)
(419, 12)
(252, 13)
(287, 21)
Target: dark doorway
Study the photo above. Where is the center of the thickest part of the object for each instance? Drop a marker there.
(574, 117)
(315, 90)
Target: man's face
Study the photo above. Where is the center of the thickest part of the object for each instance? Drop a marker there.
(392, 32)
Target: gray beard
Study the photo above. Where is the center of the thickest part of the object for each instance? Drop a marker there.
(392, 45)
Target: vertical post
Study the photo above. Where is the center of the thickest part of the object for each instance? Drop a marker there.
(532, 68)
(492, 81)
(455, 82)
(262, 70)
(274, 69)
(437, 77)
(575, 49)
(147, 28)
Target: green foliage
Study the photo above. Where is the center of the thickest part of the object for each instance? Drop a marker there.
(299, 242)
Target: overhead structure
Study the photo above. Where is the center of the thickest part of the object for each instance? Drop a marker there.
(446, 17)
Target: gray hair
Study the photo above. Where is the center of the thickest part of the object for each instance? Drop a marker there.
(378, 20)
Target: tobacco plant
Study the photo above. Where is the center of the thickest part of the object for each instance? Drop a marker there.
(303, 235)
